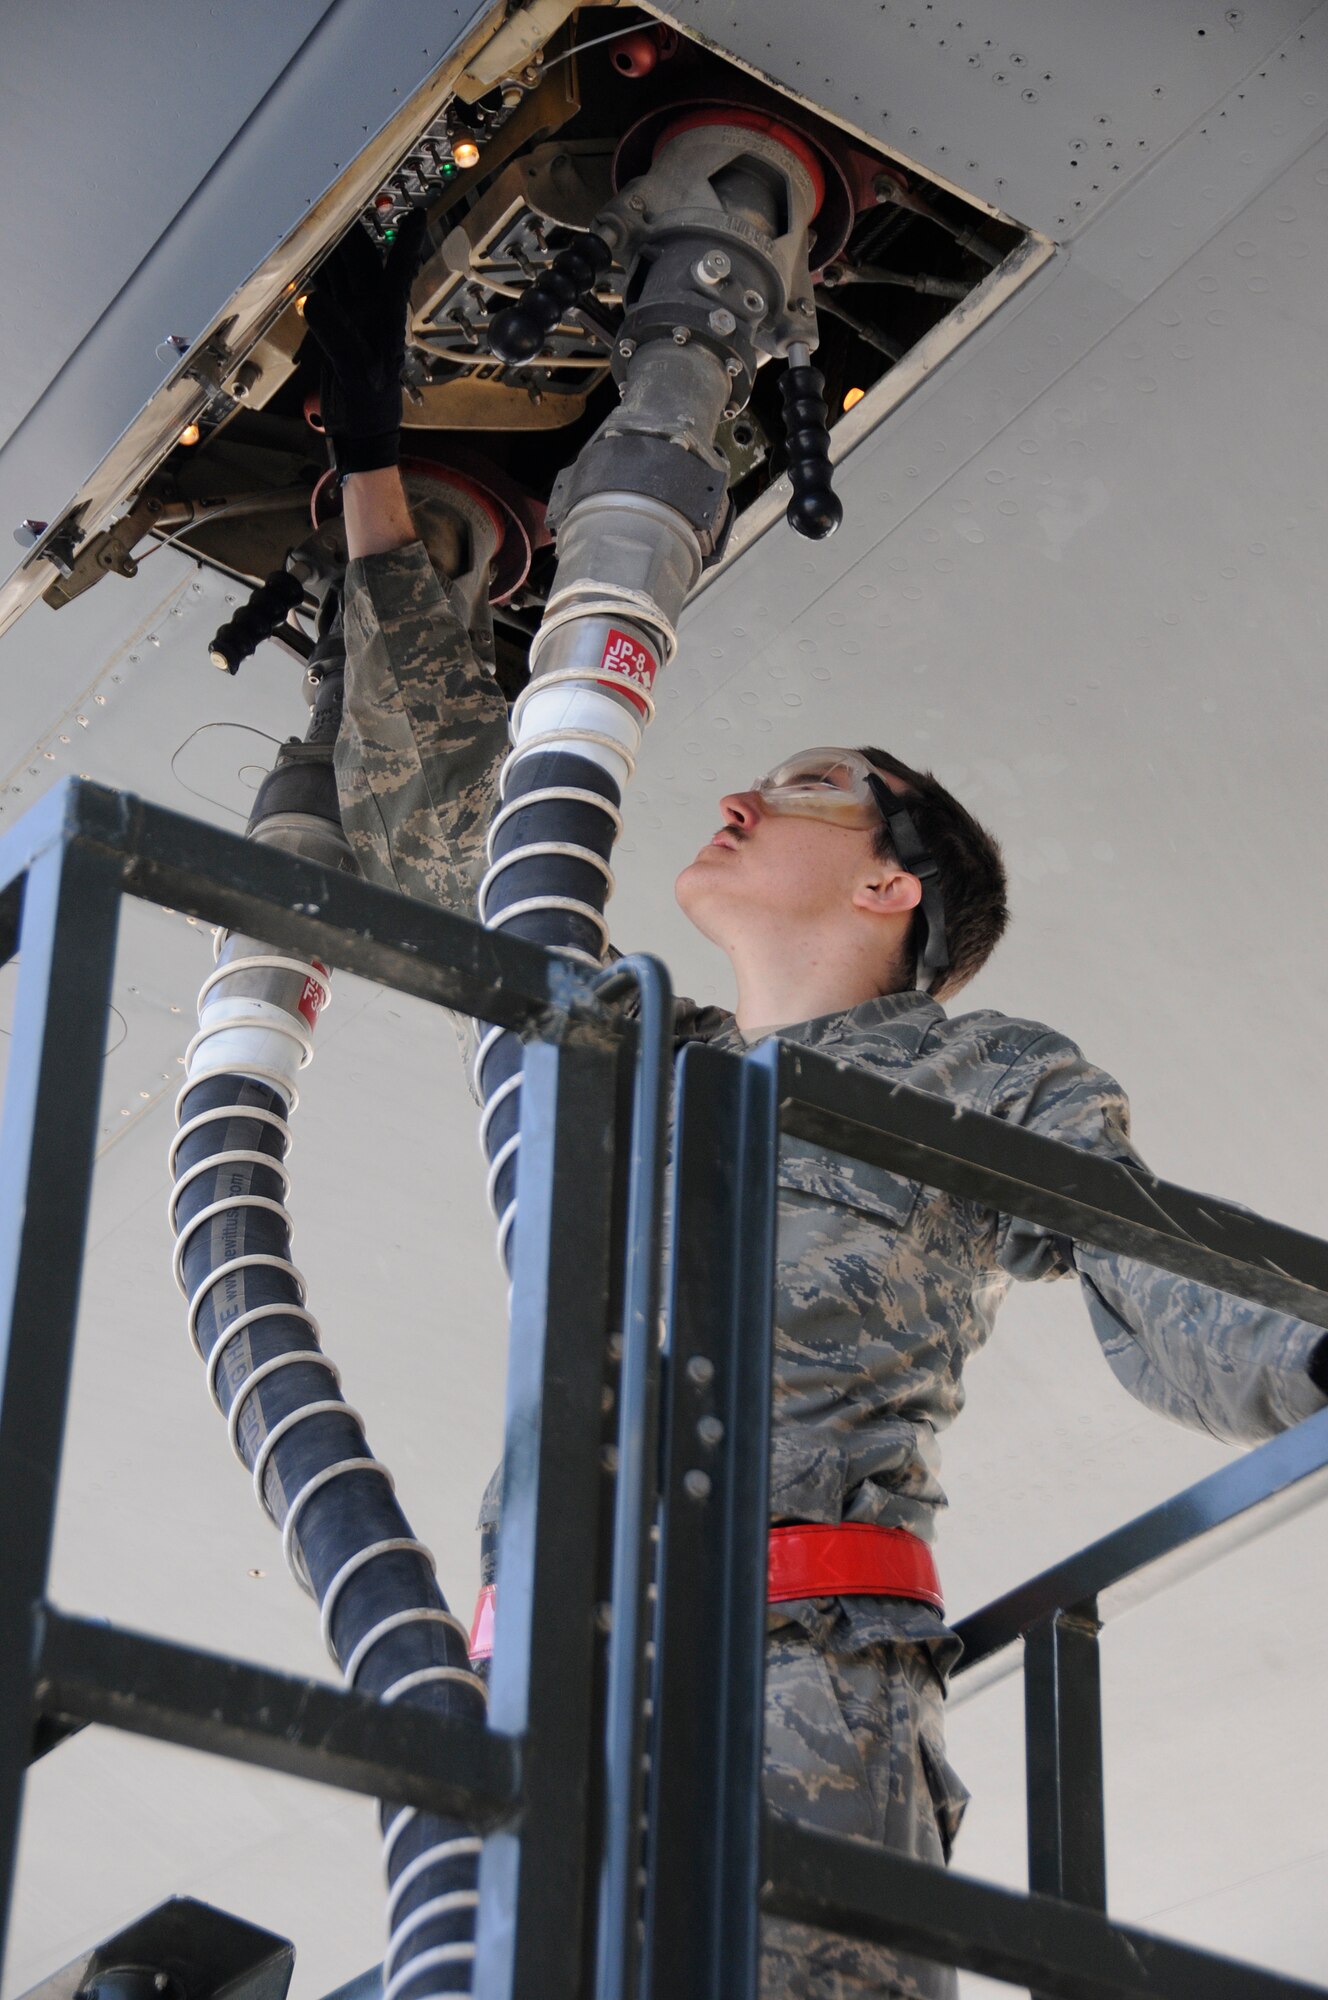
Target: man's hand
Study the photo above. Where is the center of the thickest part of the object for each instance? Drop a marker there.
(357, 314)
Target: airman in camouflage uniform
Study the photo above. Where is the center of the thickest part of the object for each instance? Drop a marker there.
(885, 1287)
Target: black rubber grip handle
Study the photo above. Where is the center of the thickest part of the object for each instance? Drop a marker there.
(520, 331)
(815, 510)
(257, 619)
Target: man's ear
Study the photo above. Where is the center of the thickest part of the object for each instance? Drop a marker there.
(887, 890)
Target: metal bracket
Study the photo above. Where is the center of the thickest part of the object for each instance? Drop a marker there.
(107, 552)
(211, 362)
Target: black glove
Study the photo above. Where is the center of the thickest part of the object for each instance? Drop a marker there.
(357, 314)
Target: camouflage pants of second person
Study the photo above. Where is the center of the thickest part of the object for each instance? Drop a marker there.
(854, 1745)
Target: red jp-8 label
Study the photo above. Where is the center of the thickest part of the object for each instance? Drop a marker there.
(633, 660)
(314, 996)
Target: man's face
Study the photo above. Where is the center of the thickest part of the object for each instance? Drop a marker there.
(776, 874)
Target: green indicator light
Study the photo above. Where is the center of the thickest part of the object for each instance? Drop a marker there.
(389, 235)
(449, 170)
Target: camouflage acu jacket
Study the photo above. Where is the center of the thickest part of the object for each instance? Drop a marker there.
(885, 1287)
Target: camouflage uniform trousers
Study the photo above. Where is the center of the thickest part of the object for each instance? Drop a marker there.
(854, 1740)
(854, 1745)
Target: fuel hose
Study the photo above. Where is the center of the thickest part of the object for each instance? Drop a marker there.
(344, 1535)
(626, 565)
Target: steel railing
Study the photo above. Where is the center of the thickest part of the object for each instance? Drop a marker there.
(604, 1440)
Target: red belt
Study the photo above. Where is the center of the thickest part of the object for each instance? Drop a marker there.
(855, 1559)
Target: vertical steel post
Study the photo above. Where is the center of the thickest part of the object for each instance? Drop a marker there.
(702, 1922)
(52, 1088)
(536, 1876)
(618, 1953)
(1063, 1751)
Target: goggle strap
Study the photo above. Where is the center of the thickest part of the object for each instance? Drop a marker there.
(934, 957)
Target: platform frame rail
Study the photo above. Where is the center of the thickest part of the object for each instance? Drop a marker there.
(596, 1881)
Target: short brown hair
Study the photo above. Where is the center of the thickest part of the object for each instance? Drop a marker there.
(970, 872)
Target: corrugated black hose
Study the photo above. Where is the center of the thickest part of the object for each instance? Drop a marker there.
(548, 881)
(344, 1535)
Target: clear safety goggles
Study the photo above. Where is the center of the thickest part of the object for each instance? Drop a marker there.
(842, 787)
(823, 784)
